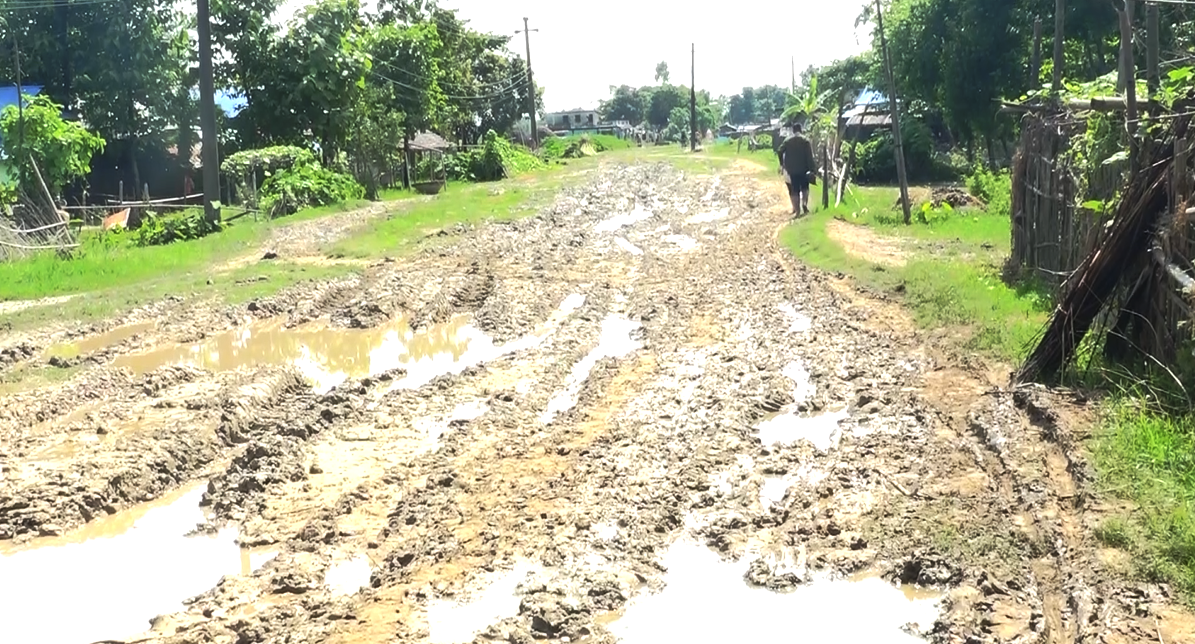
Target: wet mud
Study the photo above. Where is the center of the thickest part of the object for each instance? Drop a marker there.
(572, 427)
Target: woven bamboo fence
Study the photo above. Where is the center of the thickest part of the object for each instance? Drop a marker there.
(1051, 232)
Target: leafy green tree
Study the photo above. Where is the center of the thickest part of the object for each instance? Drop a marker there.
(61, 149)
(662, 74)
(665, 99)
(626, 104)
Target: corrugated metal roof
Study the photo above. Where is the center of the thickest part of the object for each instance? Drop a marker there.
(8, 94)
(430, 142)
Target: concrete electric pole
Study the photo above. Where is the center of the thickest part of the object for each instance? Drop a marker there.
(693, 101)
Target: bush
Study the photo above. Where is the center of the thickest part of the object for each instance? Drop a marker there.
(305, 186)
(496, 159)
(992, 188)
(875, 158)
(157, 230)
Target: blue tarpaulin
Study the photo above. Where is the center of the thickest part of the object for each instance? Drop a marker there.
(8, 94)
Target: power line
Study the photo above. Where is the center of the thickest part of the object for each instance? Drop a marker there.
(21, 5)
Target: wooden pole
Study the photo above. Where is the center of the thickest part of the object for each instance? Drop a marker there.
(693, 100)
(1035, 66)
(893, 105)
(1153, 75)
(825, 176)
(1126, 53)
(1059, 38)
(530, 85)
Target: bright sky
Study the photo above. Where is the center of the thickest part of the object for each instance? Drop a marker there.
(581, 50)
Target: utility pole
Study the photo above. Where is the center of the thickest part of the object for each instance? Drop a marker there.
(793, 64)
(16, 55)
(693, 101)
(894, 107)
(1035, 65)
(1153, 76)
(531, 85)
(207, 116)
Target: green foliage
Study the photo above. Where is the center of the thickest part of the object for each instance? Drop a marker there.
(808, 106)
(304, 186)
(994, 189)
(496, 159)
(875, 158)
(1147, 456)
(930, 214)
(159, 230)
(62, 149)
(271, 159)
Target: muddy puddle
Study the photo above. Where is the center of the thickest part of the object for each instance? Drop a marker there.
(615, 342)
(326, 356)
(636, 215)
(458, 621)
(706, 599)
(92, 343)
(349, 575)
(822, 430)
(108, 579)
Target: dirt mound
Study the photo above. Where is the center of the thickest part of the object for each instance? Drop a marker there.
(955, 197)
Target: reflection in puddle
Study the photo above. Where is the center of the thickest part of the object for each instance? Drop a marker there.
(615, 342)
(707, 217)
(628, 246)
(329, 356)
(458, 623)
(99, 341)
(116, 573)
(325, 355)
(797, 322)
(700, 584)
(637, 214)
(773, 490)
(796, 372)
(348, 576)
(821, 430)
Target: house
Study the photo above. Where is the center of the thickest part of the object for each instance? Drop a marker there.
(570, 120)
(8, 96)
(868, 114)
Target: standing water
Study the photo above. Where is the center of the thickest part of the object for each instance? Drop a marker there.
(108, 579)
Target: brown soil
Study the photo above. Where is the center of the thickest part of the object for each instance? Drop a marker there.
(864, 243)
(942, 476)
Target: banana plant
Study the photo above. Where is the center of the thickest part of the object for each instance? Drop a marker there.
(807, 105)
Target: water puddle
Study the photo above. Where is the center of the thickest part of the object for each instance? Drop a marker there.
(796, 372)
(615, 342)
(637, 214)
(797, 322)
(707, 217)
(709, 195)
(454, 622)
(628, 246)
(92, 343)
(822, 430)
(773, 490)
(348, 576)
(329, 356)
(825, 610)
(116, 573)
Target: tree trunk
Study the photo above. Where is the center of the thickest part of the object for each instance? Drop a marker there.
(987, 139)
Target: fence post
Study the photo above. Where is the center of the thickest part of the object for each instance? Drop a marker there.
(120, 191)
(1128, 68)
(825, 176)
(1035, 66)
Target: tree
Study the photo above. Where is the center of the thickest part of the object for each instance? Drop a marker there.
(626, 104)
(665, 99)
(662, 74)
(807, 104)
(61, 149)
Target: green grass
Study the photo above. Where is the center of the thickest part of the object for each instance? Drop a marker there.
(951, 274)
(1148, 458)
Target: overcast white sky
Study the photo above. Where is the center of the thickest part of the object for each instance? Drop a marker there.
(581, 49)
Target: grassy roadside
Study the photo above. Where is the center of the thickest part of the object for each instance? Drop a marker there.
(1147, 457)
(947, 269)
(107, 279)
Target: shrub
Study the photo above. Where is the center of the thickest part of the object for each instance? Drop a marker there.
(304, 186)
(158, 230)
(875, 158)
(496, 159)
(992, 188)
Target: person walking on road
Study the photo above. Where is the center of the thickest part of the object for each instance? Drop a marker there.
(796, 161)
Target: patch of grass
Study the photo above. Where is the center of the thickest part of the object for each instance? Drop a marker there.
(1148, 457)
(951, 275)
(459, 204)
(30, 376)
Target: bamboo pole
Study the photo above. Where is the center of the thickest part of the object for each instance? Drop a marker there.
(825, 176)
(1129, 69)
(1059, 38)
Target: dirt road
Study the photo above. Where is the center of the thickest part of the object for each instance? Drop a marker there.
(632, 417)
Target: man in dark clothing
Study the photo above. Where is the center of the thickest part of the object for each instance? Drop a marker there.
(796, 160)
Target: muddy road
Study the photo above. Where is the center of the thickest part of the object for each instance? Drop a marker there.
(631, 417)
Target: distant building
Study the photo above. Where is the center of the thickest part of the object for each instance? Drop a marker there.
(578, 119)
(868, 114)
